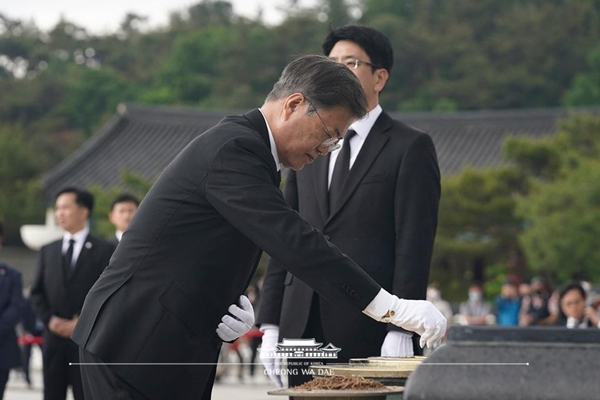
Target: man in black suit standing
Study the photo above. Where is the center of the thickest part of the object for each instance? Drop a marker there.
(195, 242)
(67, 269)
(382, 214)
(122, 209)
(11, 309)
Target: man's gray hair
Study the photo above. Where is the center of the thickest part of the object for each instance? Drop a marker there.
(324, 82)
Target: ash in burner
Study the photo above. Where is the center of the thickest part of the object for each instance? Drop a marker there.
(341, 383)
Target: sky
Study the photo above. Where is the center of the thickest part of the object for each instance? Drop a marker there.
(103, 16)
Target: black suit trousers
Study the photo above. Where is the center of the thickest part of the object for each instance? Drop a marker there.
(100, 383)
(58, 374)
(4, 372)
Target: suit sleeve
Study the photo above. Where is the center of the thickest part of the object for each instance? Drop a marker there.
(417, 199)
(10, 316)
(39, 297)
(271, 299)
(240, 186)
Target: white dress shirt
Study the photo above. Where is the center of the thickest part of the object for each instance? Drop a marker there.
(79, 238)
(362, 128)
(272, 140)
(119, 235)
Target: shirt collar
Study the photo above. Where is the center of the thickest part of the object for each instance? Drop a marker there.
(364, 126)
(79, 237)
(119, 235)
(272, 140)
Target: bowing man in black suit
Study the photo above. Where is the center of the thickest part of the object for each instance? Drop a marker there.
(194, 244)
(67, 269)
(383, 215)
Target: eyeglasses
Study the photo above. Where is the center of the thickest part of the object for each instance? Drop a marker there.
(353, 63)
(332, 142)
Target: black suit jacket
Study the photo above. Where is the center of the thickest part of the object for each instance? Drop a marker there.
(190, 252)
(114, 241)
(57, 291)
(11, 310)
(385, 220)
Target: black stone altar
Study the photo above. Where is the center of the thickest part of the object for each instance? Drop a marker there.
(491, 363)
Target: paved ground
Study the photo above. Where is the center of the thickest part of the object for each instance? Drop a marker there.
(253, 388)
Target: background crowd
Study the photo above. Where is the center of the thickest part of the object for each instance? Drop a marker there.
(573, 304)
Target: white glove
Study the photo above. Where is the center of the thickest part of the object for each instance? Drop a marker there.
(418, 316)
(397, 344)
(232, 328)
(269, 345)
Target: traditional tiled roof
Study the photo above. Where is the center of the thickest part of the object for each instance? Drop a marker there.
(138, 139)
(144, 139)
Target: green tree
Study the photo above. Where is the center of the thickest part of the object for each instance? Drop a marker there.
(19, 193)
(477, 226)
(563, 224)
(562, 209)
(93, 96)
(585, 89)
(193, 65)
(337, 12)
(484, 54)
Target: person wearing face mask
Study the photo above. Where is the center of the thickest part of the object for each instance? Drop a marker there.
(508, 304)
(475, 311)
(536, 307)
(434, 295)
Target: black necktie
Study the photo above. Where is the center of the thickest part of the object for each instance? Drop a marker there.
(340, 171)
(69, 255)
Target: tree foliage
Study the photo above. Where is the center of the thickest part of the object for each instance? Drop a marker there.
(60, 86)
(540, 212)
(585, 88)
(19, 192)
(562, 213)
(563, 224)
(477, 221)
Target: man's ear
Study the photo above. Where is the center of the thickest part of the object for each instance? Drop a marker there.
(292, 103)
(382, 77)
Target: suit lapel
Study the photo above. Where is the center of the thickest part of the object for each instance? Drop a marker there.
(83, 256)
(55, 253)
(320, 170)
(368, 154)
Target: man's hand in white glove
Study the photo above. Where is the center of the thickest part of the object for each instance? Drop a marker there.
(397, 344)
(418, 316)
(269, 345)
(242, 321)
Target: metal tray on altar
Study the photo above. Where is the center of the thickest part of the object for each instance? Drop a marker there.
(300, 394)
(373, 367)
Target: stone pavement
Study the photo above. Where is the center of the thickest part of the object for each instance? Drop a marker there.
(253, 388)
